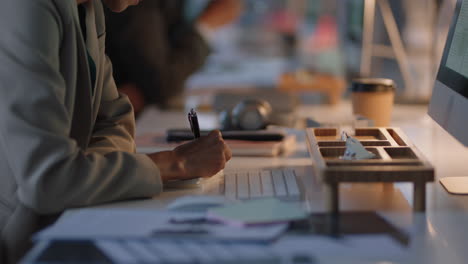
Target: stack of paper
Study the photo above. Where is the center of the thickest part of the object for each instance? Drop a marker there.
(119, 224)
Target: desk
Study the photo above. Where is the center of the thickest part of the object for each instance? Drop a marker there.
(438, 236)
(447, 155)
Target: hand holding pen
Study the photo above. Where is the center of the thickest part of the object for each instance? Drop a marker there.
(194, 126)
(203, 157)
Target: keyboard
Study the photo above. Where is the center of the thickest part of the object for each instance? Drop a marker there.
(250, 184)
(129, 251)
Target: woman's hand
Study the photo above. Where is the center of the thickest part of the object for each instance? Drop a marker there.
(203, 157)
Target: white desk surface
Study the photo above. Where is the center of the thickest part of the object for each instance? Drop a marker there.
(440, 235)
(447, 155)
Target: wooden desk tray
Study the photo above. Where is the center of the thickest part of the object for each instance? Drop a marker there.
(397, 160)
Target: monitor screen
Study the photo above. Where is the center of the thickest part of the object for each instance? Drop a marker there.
(449, 102)
(453, 70)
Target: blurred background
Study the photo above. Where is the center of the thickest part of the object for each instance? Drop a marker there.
(314, 37)
(308, 51)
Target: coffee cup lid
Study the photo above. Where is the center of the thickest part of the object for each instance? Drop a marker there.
(372, 85)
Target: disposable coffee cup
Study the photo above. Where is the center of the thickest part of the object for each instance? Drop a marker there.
(373, 98)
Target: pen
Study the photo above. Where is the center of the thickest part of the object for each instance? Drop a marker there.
(193, 120)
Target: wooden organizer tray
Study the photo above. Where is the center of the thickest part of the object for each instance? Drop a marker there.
(397, 160)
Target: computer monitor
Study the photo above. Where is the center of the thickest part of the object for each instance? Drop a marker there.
(449, 102)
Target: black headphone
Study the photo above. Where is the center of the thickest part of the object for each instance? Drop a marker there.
(249, 114)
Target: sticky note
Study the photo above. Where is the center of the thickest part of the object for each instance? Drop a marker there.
(258, 211)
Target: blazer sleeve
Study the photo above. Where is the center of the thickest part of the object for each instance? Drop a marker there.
(51, 171)
(115, 124)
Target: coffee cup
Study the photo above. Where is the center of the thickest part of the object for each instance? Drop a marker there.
(373, 98)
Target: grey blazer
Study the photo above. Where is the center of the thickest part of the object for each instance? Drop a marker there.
(63, 143)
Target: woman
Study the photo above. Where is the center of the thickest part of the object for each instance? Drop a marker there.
(156, 46)
(66, 134)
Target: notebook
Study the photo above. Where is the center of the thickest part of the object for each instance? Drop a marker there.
(153, 142)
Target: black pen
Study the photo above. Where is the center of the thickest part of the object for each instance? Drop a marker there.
(193, 120)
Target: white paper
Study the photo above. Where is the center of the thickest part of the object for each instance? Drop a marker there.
(356, 151)
(258, 211)
(92, 223)
(118, 224)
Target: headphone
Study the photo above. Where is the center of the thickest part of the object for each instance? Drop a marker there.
(249, 114)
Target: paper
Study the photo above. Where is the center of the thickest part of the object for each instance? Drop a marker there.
(93, 223)
(119, 224)
(182, 184)
(259, 211)
(221, 232)
(354, 149)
